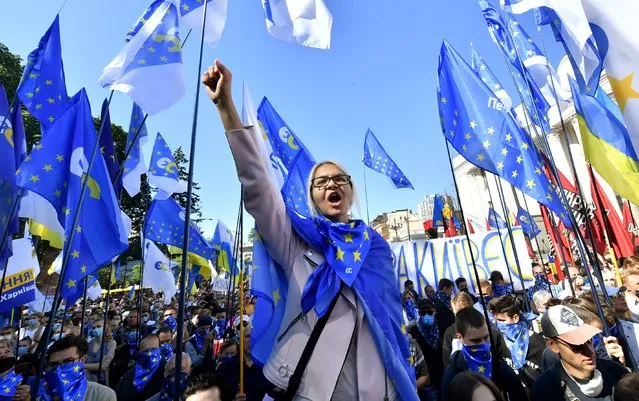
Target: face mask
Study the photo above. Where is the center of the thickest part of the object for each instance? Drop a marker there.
(22, 350)
(188, 315)
(226, 358)
(8, 383)
(517, 341)
(7, 363)
(478, 358)
(98, 331)
(145, 319)
(146, 364)
(202, 332)
(168, 390)
(33, 322)
(171, 322)
(427, 320)
(66, 382)
(166, 350)
(56, 326)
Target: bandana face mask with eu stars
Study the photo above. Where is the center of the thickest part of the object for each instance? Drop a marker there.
(66, 382)
(147, 363)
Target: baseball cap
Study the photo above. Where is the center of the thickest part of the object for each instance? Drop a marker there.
(560, 321)
(245, 318)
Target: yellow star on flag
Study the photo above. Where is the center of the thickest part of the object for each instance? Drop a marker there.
(525, 146)
(78, 229)
(530, 184)
(623, 89)
(70, 283)
(348, 238)
(59, 158)
(486, 144)
(509, 137)
(357, 256)
(444, 100)
(276, 296)
(504, 151)
(34, 178)
(549, 197)
(491, 131)
(75, 254)
(481, 369)
(47, 168)
(515, 174)
(467, 136)
(500, 165)
(340, 254)
(365, 235)
(519, 159)
(473, 124)
(480, 157)
(83, 269)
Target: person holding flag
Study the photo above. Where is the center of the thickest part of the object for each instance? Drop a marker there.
(340, 274)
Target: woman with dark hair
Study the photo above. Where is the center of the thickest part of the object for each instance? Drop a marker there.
(468, 386)
(341, 336)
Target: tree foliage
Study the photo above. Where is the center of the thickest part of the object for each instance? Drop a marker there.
(183, 169)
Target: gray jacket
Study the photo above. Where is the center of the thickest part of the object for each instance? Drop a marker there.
(345, 364)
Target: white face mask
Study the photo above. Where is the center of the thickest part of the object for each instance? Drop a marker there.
(7, 337)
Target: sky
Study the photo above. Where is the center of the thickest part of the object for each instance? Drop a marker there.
(380, 73)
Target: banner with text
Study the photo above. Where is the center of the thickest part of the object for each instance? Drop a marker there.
(425, 262)
(18, 287)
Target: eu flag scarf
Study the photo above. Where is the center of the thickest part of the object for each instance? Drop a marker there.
(145, 366)
(66, 382)
(478, 359)
(361, 259)
(517, 339)
(8, 384)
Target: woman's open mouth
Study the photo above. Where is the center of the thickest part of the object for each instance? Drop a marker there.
(334, 199)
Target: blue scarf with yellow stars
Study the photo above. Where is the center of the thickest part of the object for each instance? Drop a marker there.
(517, 339)
(442, 297)
(501, 289)
(168, 389)
(358, 257)
(8, 384)
(478, 359)
(67, 382)
(146, 365)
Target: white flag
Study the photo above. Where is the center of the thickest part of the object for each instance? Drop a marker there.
(192, 12)
(157, 271)
(306, 22)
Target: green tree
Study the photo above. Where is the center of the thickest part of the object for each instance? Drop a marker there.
(183, 169)
(252, 235)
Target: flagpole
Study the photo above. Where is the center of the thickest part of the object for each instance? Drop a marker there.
(65, 259)
(493, 347)
(104, 324)
(501, 243)
(230, 296)
(368, 217)
(502, 200)
(541, 259)
(84, 306)
(241, 295)
(187, 215)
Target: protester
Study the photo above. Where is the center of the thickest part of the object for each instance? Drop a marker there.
(626, 388)
(500, 287)
(540, 298)
(487, 294)
(146, 378)
(207, 387)
(32, 327)
(97, 352)
(168, 388)
(10, 382)
(410, 307)
(574, 277)
(462, 286)
(166, 342)
(422, 379)
(64, 376)
(410, 287)
(444, 316)
(201, 343)
(580, 375)
(476, 356)
(469, 386)
(427, 335)
(294, 244)
(430, 292)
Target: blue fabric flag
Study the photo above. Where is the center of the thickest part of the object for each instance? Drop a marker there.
(54, 173)
(281, 137)
(67, 382)
(145, 366)
(376, 158)
(134, 165)
(494, 219)
(118, 271)
(517, 340)
(223, 243)
(294, 189)
(527, 223)
(193, 272)
(455, 221)
(165, 224)
(152, 54)
(132, 292)
(485, 73)
(43, 89)
(357, 256)
(532, 95)
(438, 208)
(474, 122)
(8, 383)
(107, 148)
(163, 172)
(79, 289)
(192, 12)
(13, 150)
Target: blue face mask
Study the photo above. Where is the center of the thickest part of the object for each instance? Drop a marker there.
(146, 364)
(226, 358)
(22, 350)
(166, 350)
(517, 340)
(171, 322)
(66, 382)
(427, 320)
(97, 332)
(168, 390)
(478, 359)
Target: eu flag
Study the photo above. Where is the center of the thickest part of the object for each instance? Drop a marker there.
(55, 171)
(134, 165)
(192, 12)
(163, 172)
(376, 158)
(107, 148)
(495, 221)
(12, 152)
(224, 243)
(485, 73)
(149, 67)
(43, 89)
(527, 223)
(283, 141)
(294, 191)
(533, 98)
(484, 133)
(438, 208)
(164, 223)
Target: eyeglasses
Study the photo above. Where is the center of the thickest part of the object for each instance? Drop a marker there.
(587, 346)
(339, 180)
(55, 365)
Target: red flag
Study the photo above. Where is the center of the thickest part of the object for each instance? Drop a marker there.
(488, 228)
(451, 231)
(559, 246)
(428, 224)
(607, 217)
(471, 229)
(531, 251)
(629, 223)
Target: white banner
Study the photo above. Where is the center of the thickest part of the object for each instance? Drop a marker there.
(23, 267)
(425, 262)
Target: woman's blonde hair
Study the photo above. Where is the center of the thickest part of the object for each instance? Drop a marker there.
(309, 185)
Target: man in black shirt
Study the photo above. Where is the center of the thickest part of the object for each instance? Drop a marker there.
(580, 375)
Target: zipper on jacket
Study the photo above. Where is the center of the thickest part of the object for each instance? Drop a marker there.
(299, 317)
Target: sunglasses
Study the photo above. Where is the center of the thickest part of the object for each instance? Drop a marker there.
(580, 348)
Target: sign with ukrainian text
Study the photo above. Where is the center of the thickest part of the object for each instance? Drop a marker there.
(425, 262)
(18, 287)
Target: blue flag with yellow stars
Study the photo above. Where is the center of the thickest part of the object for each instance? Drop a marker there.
(283, 141)
(163, 173)
(486, 74)
(79, 289)
(476, 123)
(495, 221)
(43, 89)
(55, 171)
(438, 208)
(12, 152)
(376, 158)
(294, 190)
(531, 93)
(164, 223)
(527, 223)
(152, 55)
(107, 148)
(8, 384)
(224, 242)
(134, 165)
